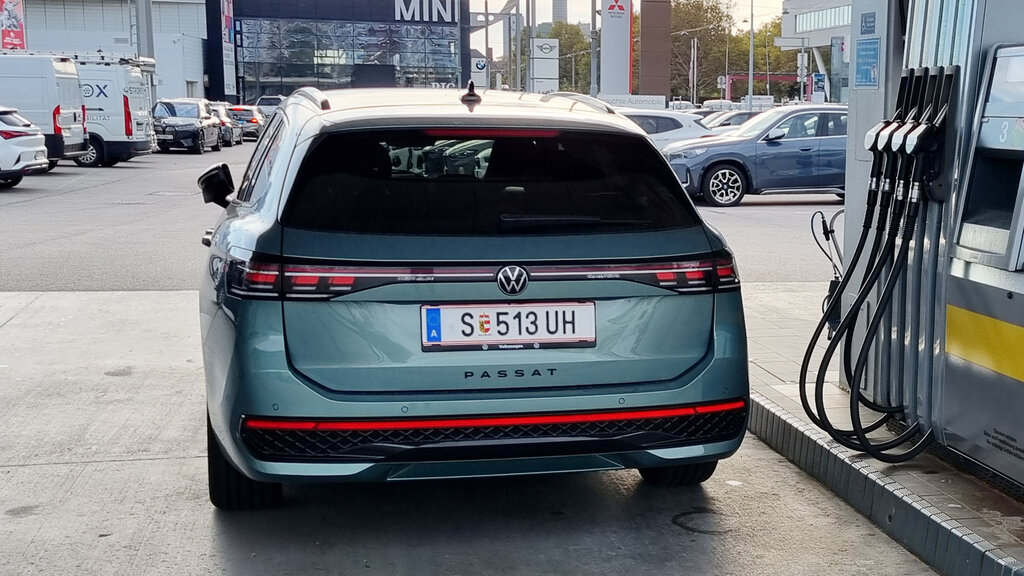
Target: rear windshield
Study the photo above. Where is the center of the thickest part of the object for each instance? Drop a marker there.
(14, 119)
(269, 100)
(471, 182)
(240, 113)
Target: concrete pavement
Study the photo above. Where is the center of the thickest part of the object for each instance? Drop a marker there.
(951, 520)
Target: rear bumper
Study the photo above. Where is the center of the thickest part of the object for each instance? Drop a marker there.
(57, 149)
(127, 149)
(27, 164)
(247, 379)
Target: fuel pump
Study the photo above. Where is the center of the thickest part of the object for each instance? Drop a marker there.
(906, 153)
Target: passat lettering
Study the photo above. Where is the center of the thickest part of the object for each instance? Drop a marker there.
(505, 373)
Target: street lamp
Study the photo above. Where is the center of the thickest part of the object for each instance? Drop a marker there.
(750, 70)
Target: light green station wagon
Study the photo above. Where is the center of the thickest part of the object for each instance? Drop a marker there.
(412, 284)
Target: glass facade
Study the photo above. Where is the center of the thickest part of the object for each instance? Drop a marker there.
(277, 56)
(823, 19)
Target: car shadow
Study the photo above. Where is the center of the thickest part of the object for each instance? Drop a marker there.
(466, 525)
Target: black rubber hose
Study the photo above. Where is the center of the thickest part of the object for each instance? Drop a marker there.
(847, 336)
(843, 436)
(878, 450)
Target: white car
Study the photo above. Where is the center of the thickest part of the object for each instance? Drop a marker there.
(267, 104)
(22, 148)
(666, 126)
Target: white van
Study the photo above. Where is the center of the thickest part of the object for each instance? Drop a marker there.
(45, 90)
(117, 105)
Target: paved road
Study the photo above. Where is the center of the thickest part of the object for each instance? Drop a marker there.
(102, 466)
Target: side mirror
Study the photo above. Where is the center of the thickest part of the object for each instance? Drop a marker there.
(217, 185)
(775, 134)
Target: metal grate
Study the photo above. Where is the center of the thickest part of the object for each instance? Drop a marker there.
(321, 445)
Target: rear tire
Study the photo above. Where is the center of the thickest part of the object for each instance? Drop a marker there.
(93, 156)
(682, 475)
(229, 142)
(10, 182)
(229, 488)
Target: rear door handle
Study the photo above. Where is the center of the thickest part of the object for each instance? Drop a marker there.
(208, 237)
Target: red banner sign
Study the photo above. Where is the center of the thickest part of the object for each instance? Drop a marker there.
(12, 24)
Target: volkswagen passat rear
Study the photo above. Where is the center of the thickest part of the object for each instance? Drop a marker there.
(369, 315)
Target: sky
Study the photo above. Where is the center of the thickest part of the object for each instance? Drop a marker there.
(579, 11)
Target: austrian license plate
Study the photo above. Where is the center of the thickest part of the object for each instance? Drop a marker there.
(508, 326)
(164, 136)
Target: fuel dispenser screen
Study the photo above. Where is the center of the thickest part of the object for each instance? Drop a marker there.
(991, 224)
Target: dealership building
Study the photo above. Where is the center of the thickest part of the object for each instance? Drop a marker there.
(241, 49)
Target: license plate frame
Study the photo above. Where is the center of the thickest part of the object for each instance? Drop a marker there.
(164, 136)
(443, 327)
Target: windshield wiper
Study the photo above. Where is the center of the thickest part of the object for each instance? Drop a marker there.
(519, 221)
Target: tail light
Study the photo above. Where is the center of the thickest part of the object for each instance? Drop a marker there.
(223, 122)
(129, 126)
(254, 121)
(708, 273)
(56, 120)
(84, 129)
(9, 134)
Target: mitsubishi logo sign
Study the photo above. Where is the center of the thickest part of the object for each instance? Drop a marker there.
(616, 6)
(512, 280)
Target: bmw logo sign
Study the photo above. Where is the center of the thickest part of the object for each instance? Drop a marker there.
(481, 65)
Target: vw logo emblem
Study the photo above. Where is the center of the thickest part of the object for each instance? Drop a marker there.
(512, 280)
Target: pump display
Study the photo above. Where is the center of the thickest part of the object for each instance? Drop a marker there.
(907, 156)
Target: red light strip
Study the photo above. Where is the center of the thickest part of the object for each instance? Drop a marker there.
(265, 424)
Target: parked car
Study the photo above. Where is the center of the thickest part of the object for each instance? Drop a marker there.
(22, 148)
(666, 126)
(729, 121)
(563, 309)
(186, 123)
(231, 132)
(45, 90)
(461, 158)
(117, 105)
(792, 149)
(702, 112)
(268, 104)
(251, 119)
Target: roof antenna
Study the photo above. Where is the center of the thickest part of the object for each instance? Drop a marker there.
(471, 98)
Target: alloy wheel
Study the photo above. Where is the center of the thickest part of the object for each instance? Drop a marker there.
(725, 187)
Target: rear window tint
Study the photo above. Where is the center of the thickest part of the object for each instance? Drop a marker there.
(494, 183)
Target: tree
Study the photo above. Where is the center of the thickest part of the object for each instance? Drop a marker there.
(571, 41)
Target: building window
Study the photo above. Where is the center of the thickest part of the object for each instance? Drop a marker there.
(278, 56)
(837, 17)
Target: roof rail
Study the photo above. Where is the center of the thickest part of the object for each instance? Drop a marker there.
(315, 96)
(599, 105)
